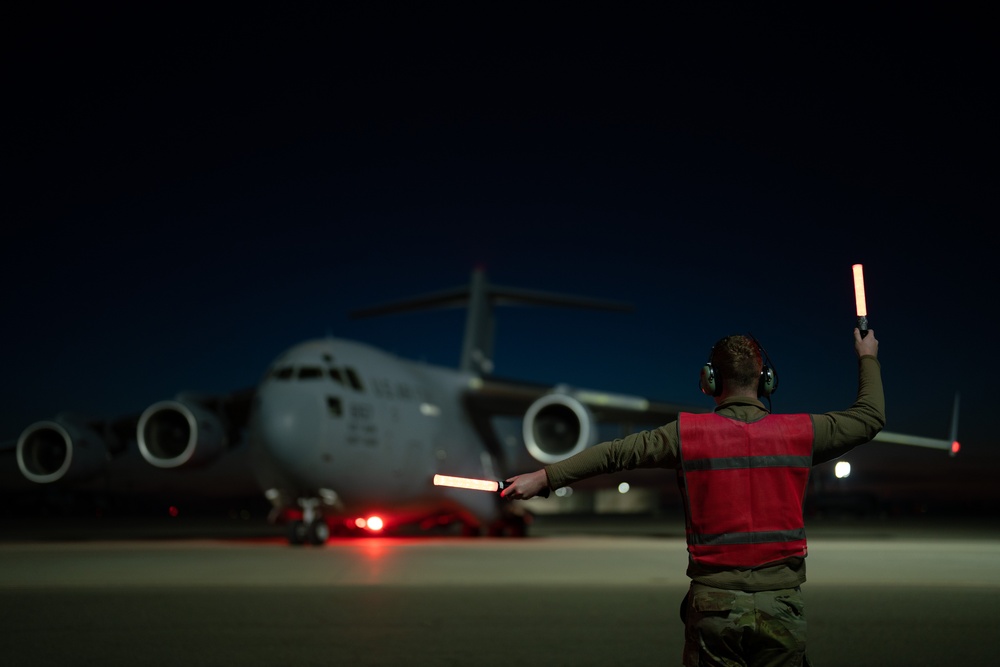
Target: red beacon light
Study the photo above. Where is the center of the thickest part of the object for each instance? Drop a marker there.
(373, 523)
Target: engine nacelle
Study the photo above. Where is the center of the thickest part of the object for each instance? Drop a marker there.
(60, 450)
(177, 433)
(556, 426)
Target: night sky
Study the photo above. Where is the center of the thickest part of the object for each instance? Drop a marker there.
(190, 191)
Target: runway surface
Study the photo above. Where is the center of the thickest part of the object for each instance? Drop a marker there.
(577, 592)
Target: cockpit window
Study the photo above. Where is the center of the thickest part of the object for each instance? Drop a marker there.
(310, 373)
(335, 375)
(283, 373)
(333, 406)
(353, 378)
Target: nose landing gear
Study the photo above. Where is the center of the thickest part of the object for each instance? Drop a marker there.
(312, 528)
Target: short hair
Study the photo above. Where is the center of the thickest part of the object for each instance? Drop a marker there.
(737, 361)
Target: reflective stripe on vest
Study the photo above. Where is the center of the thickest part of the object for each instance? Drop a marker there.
(744, 486)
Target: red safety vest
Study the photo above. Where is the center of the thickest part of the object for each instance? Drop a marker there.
(744, 486)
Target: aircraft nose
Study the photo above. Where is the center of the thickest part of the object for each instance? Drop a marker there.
(288, 430)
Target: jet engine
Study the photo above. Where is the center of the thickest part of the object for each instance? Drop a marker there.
(60, 450)
(557, 426)
(178, 433)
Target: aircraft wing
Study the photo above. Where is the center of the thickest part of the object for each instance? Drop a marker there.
(559, 421)
(917, 441)
(951, 445)
(190, 433)
(511, 397)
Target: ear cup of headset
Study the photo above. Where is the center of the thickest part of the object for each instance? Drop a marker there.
(709, 386)
(768, 382)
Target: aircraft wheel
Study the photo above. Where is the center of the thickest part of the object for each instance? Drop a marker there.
(318, 532)
(297, 532)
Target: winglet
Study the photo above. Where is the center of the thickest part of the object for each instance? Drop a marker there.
(953, 435)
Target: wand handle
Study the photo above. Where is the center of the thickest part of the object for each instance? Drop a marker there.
(544, 493)
(863, 326)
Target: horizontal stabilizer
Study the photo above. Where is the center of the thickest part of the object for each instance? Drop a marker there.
(502, 296)
(479, 296)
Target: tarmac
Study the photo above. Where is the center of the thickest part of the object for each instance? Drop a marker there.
(577, 591)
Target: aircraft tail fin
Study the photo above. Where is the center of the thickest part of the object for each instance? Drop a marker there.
(479, 296)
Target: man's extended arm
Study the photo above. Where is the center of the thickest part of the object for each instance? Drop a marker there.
(839, 432)
(647, 449)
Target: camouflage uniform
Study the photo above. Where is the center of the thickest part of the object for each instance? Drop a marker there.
(722, 626)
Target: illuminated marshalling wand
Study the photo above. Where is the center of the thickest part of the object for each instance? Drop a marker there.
(490, 485)
(859, 299)
(952, 444)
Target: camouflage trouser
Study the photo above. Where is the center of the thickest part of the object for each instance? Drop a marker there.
(728, 628)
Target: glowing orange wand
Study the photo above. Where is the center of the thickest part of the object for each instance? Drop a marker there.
(859, 299)
(476, 484)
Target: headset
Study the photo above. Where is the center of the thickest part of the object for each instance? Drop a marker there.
(766, 385)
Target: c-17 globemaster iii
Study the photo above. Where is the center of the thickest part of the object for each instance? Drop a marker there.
(342, 437)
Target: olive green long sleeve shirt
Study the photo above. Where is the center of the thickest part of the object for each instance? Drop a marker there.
(835, 433)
